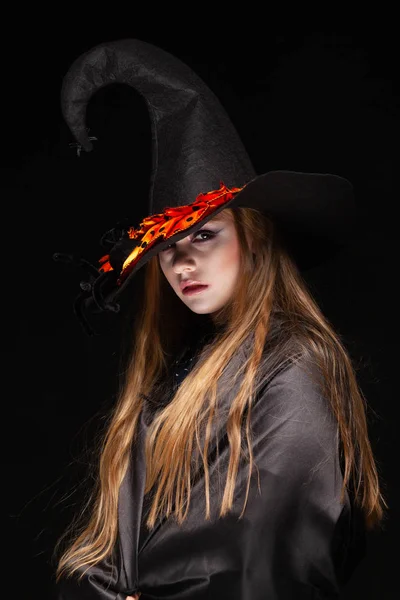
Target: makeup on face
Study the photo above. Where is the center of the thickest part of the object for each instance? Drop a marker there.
(209, 260)
(194, 289)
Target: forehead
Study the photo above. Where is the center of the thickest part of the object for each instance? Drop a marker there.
(221, 217)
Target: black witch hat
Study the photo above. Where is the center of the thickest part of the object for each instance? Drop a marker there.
(199, 168)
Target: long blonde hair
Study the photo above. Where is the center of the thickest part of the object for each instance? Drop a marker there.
(274, 303)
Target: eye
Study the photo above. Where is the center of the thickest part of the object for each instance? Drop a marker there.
(207, 232)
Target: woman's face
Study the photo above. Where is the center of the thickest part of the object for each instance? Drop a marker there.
(209, 256)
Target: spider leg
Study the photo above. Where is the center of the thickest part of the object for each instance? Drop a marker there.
(97, 293)
(93, 287)
(80, 314)
(77, 262)
(114, 235)
(108, 238)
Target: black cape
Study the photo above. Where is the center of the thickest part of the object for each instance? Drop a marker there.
(295, 540)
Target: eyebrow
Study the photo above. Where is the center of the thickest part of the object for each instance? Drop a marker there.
(217, 220)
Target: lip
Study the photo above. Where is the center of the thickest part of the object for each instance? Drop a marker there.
(190, 290)
(188, 282)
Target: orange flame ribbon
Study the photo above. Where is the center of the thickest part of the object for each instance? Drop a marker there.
(172, 220)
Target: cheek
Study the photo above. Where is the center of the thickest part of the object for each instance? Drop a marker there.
(170, 276)
(229, 260)
(167, 273)
(163, 269)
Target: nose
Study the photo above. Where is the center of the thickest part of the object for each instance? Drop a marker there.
(183, 260)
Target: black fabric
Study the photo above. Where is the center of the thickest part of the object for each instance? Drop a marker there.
(296, 540)
(349, 541)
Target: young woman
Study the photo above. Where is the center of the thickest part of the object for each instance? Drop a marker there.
(236, 462)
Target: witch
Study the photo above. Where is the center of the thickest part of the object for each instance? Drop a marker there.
(236, 463)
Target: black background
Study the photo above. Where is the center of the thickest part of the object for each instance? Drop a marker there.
(312, 96)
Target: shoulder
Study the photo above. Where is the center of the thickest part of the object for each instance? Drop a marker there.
(299, 373)
(293, 398)
(296, 373)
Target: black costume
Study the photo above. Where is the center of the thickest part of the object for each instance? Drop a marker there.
(296, 540)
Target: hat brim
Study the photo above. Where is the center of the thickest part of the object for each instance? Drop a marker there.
(314, 213)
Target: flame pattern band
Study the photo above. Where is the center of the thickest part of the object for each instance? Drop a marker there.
(165, 225)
